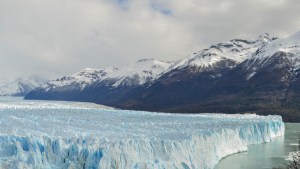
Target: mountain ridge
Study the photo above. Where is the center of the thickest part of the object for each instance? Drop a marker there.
(259, 76)
(20, 86)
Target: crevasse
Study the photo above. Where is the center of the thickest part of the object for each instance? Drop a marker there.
(69, 136)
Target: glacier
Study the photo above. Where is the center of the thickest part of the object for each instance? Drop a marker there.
(55, 135)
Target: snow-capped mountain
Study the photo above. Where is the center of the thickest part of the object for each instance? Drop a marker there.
(260, 75)
(79, 80)
(87, 81)
(285, 51)
(138, 73)
(20, 86)
(234, 51)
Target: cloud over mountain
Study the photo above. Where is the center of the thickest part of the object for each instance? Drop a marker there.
(55, 37)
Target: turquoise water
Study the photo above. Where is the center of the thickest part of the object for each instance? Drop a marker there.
(267, 155)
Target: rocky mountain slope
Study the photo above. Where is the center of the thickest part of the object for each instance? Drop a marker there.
(257, 76)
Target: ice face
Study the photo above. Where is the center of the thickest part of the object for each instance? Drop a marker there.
(72, 135)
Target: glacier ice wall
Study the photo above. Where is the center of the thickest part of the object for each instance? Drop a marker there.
(61, 135)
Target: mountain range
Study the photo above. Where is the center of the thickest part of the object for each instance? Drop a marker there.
(21, 86)
(239, 76)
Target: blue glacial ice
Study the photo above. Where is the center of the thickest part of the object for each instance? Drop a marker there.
(36, 134)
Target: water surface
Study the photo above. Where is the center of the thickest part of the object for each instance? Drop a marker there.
(267, 155)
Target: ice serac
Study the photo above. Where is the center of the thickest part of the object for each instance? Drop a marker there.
(73, 135)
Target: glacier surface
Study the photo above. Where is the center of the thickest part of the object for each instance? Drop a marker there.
(37, 134)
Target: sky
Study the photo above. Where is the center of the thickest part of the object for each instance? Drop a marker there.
(52, 38)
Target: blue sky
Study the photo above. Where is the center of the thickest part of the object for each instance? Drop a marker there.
(156, 6)
(59, 37)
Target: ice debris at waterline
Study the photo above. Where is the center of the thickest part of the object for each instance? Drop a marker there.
(60, 135)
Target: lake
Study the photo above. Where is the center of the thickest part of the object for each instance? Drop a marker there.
(267, 155)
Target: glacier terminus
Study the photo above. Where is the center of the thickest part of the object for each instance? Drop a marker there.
(47, 134)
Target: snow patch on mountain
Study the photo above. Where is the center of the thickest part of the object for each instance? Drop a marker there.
(251, 75)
